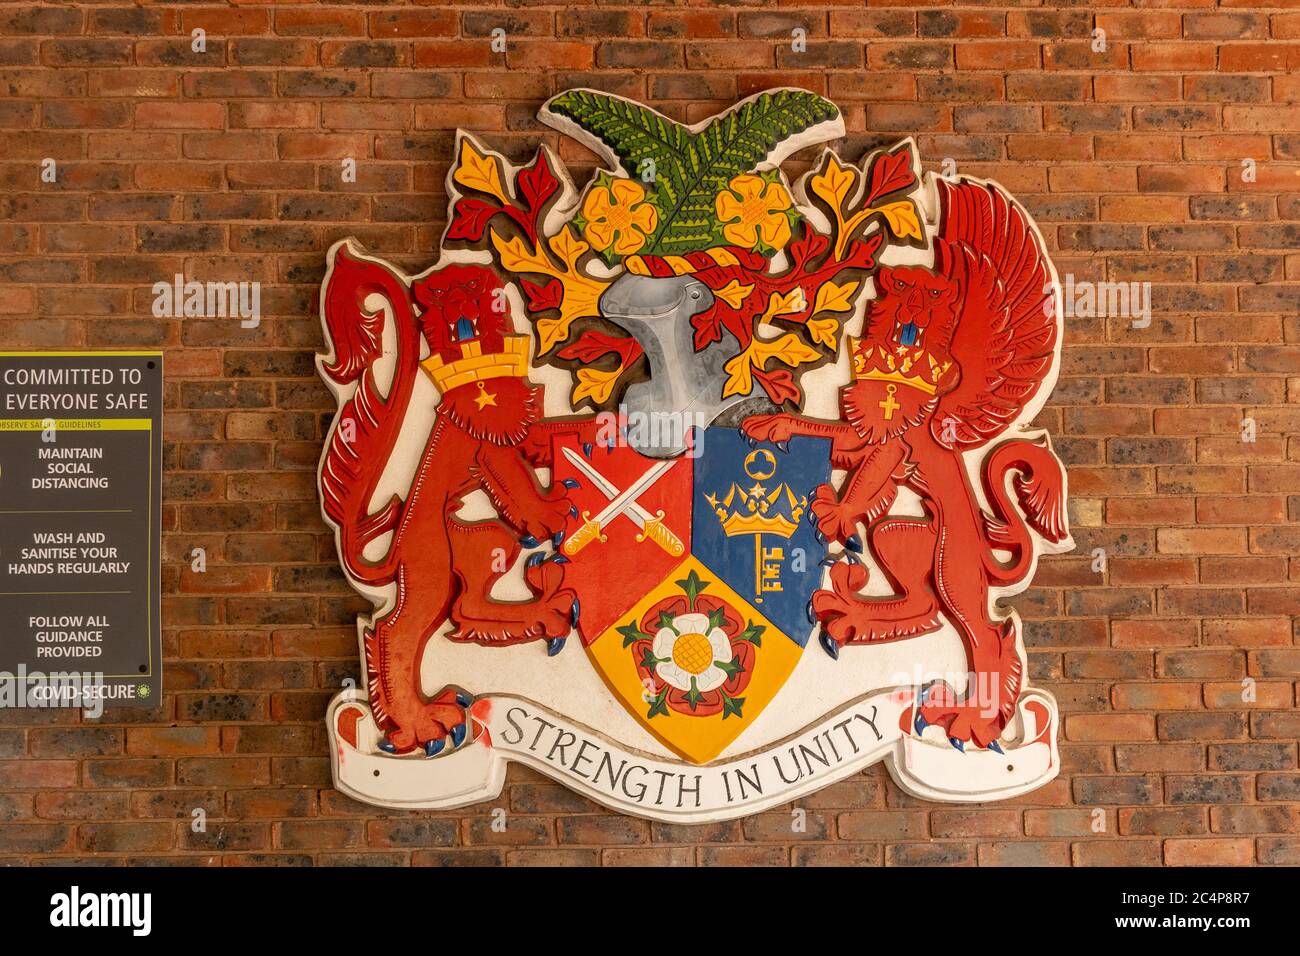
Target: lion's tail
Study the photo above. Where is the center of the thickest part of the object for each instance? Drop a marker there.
(366, 428)
(1039, 484)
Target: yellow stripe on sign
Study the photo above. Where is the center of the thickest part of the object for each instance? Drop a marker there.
(680, 266)
(636, 265)
(77, 424)
(722, 257)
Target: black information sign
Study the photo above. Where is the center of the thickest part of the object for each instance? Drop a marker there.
(80, 520)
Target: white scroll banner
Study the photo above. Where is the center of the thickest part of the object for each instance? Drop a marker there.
(841, 744)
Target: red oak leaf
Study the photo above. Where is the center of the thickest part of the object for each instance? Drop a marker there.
(890, 173)
(779, 385)
(470, 218)
(543, 297)
(808, 246)
(591, 345)
(708, 328)
(862, 252)
(537, 183)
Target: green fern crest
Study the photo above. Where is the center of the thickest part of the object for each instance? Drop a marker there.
(689, 169)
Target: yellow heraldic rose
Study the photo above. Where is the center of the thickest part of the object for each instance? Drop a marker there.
(755, 211)
(617, 217)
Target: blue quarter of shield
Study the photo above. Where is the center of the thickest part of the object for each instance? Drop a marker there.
(749, 523)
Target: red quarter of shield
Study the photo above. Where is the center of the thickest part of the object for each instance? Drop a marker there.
(614, 563)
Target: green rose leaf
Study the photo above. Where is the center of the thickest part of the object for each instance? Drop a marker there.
(631, 633)
(660, 705)
(730, 668)
(732, 705)
(691, 586)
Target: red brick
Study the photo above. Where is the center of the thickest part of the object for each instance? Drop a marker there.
(1110, 727)
(1209, 852)
(1128, 852)
(172, 741)
(414, 23)
(180, 116)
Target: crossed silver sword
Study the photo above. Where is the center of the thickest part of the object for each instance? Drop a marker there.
(622, 503)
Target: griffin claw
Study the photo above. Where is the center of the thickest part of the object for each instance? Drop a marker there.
(995, 747)
(528, 541)
(830, 647)
(575, 612)
(556, 558)
(534, 560)
(554, 645)
(570, 482)
(961, 747)
(853, 544)
(463, 699)
(821, 538)
(573, 511)
(387, 746)
(812, 618)
(753, 442)
(784, 446)
(434, 747)
(458, 734)
(920, 723)
(586, 450)
(828, 562)
(557, 539)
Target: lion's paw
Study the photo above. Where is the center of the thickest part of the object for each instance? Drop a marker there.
(964, 722)
(431, 726)
(836, 520)
(544, 519)
(769, 428)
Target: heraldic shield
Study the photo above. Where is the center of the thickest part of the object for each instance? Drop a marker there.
(607, 466)
(694, 575)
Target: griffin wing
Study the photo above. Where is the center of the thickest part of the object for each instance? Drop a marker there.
(1007, 330)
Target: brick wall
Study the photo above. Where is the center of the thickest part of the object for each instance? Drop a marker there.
(225, 165)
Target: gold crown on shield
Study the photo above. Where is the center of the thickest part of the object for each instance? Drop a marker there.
(758, 509)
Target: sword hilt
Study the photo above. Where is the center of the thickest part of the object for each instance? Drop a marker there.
(586, 534)
(658, 532)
